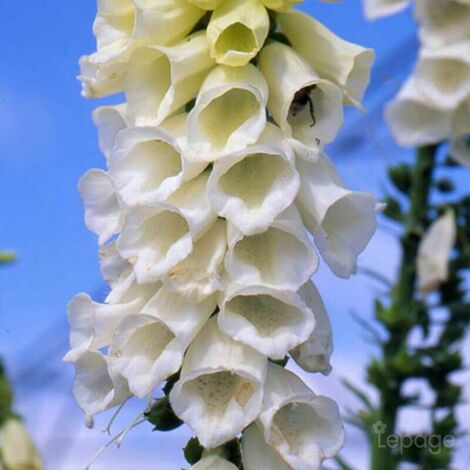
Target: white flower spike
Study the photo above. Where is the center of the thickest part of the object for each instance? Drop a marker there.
(250, 188)
(163, 79)
(237, 31)
(230, 112)
(282, 257)
(314, 355)
(434, 252)
(221, 386)
(344, 63)
(305, 428)
(306, 107)
(341, 221)
(272, 322)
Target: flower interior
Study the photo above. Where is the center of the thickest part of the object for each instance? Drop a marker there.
(236, 38)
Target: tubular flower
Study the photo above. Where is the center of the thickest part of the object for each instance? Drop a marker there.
(434, 103)
(216, 197)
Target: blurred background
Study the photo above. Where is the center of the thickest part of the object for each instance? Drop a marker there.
(47, 141)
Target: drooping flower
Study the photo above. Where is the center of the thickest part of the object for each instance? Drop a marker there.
(341, 221)
(303, 427)
(220, 390)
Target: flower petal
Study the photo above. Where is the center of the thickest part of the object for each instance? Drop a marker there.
(221, 386)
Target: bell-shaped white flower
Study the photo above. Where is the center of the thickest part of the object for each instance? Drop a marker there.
(96, 388)
(123, 25)
(17, 449)
(92, 324)
(377, 8)
(314, 355)
(230, 112)
(415, 121)
(237, 31)
(149, 347)
(200, 274)
(162, 79)
(271, 321)
(303, 105)
(434, 252)
(112, 264)
(280, 5)
(257, 454)
(282, 257)
(155, 239)
(342, 221)
(109, 121)
(250, 188)
(206, 4)
(342, 62)
(442, 22)
(305, 428)
(104, 211)
(442, 75)
(220, 390)
(147, 164)
(460, 151)
(213, 462)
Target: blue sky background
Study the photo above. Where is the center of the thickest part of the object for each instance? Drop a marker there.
(47, 141)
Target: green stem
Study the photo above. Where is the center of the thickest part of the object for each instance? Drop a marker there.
(401, 322)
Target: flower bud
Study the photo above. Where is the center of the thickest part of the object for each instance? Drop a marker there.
(250, 188)
(271, 321)
(306, 107)
(314, 355)
(280, 258)
(229, 114)
(344, 63)
(221, 386)
(434, 252)
(341, 221)
(17, 450)
(237, 31)
(163, 79)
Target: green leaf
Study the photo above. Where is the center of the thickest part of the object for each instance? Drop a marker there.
(162, 416)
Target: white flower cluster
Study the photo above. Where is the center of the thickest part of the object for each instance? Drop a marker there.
(434, 103)
(215, 171)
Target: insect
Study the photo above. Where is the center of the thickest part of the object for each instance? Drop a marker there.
(301, 99)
